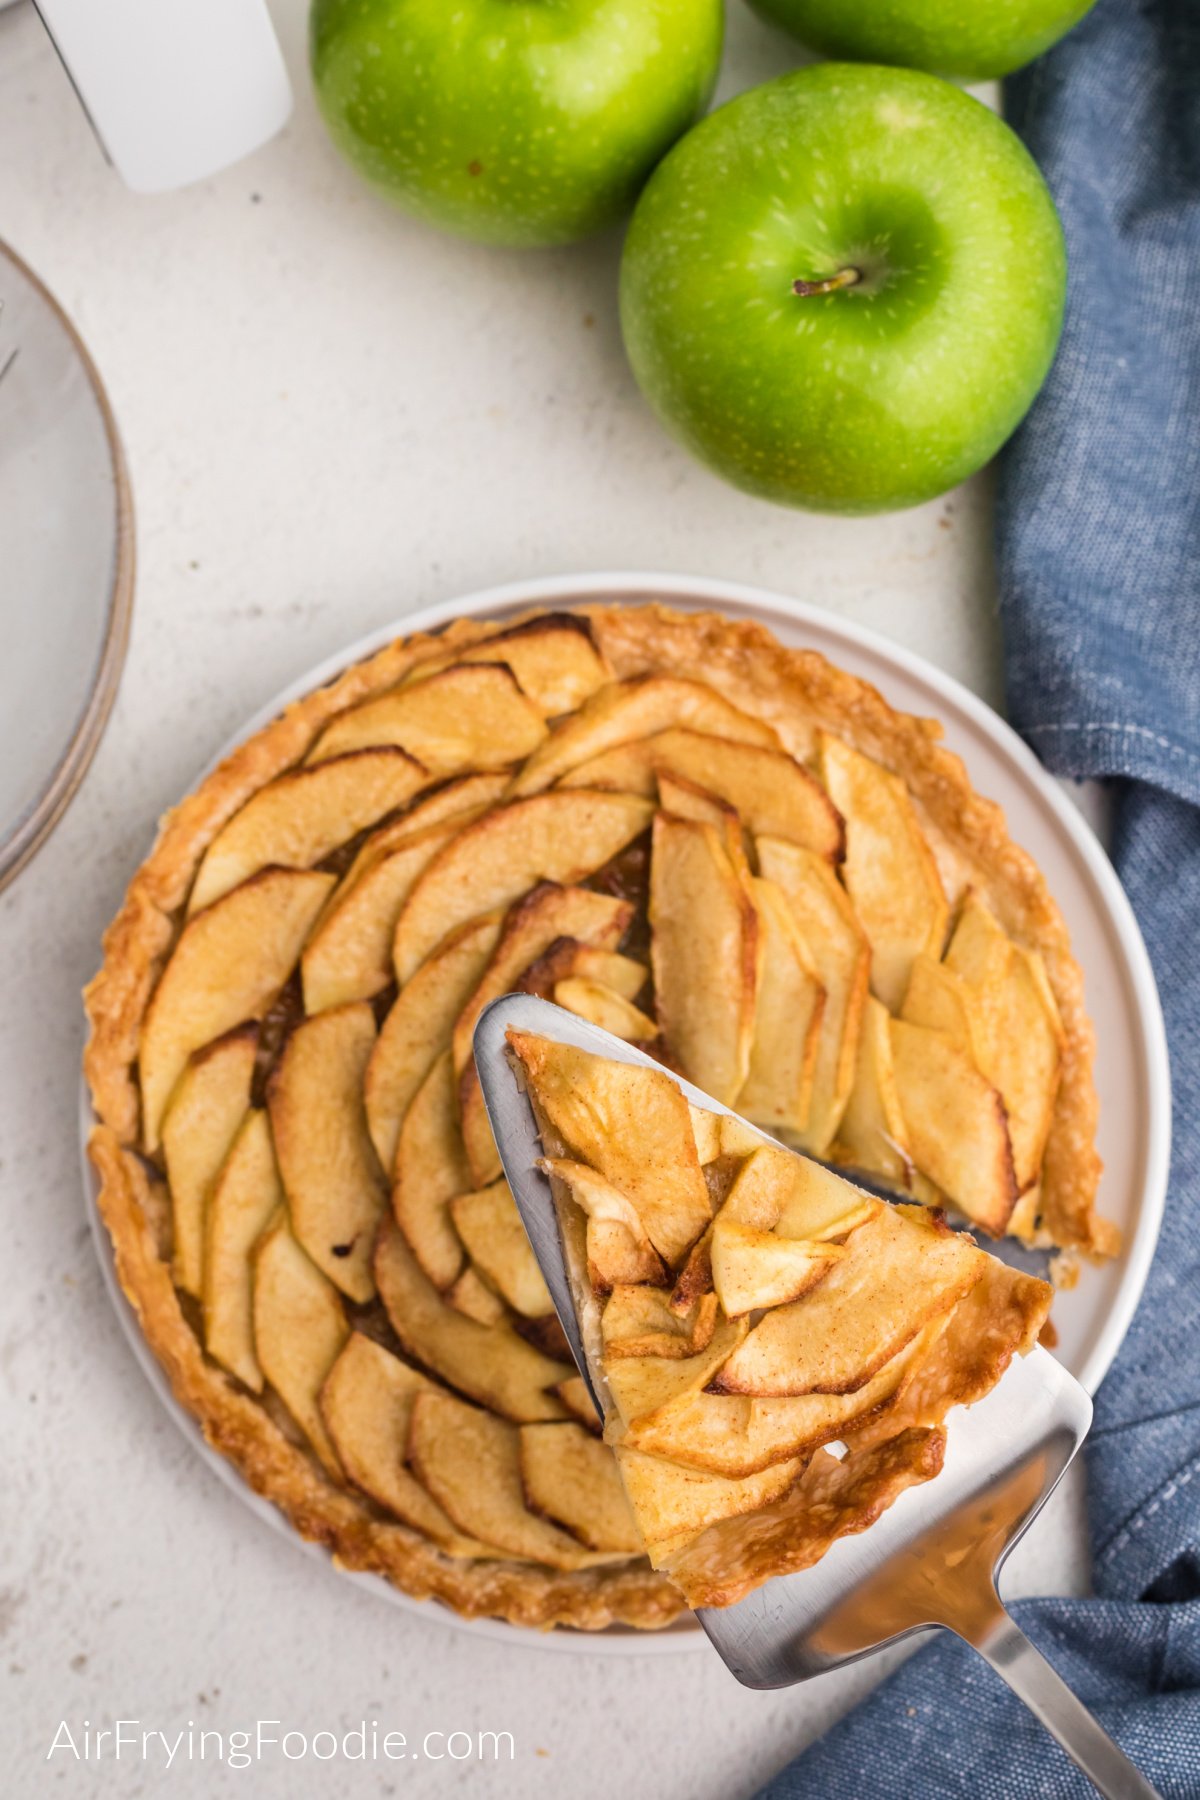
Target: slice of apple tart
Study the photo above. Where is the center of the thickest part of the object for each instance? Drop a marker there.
(728, 852)
(775, 1350)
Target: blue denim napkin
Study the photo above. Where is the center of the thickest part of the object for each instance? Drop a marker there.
(1099, 547)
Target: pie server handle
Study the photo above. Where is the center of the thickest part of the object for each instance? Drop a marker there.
(1004, 1645)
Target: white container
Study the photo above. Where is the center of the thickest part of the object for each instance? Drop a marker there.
(175, 89)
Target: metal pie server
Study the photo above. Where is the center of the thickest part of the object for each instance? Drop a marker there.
(931, 1560)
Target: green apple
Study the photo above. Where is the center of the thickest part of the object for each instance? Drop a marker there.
(973, 39)
(843, 290)
(513, 121)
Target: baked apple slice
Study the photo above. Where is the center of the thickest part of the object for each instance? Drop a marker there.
(544, 919)
(637, 709)
(789, 1008)
(896, 1274)
(631, 1125)
(1018, 1034)
(703, 917)
(247, 1195)
(842, 958)
(554, 658)
(956, 1125)
(489, 1362)
(559, 837)
(570, 1478)
(641, 1386)
(228, 965)
(469, 1294)
(603, 1006)
(490, 1226)
(418, 1029)
(575, 1397)
(300, 1330)
(738, 1435)
(349, 956)
(470, 1462)
(467, 716)
(616, 1244)
(889, 869)
(367, 1403)
(672, 1503)
(773, 794)
(431, 1168)
(872, 1134)
(208, 1105)
(299, 818)
(335, 1187)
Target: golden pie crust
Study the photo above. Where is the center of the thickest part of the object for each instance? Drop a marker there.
(798, 693)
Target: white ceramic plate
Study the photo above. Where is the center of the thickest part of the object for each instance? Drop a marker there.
(1131, 1066)
(66, 568)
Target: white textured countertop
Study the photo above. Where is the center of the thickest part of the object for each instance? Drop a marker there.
(333, 416)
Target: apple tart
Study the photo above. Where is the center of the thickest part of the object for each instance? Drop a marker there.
(733, 854)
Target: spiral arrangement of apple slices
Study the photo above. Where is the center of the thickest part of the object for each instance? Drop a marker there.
(637, 814)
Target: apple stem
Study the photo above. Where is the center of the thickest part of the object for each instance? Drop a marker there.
(844, 278)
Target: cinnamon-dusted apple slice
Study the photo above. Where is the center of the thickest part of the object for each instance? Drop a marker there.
(789, 1008)
(489, 1362)
(641, 1321)
(737, 1435)
(297, 819)
(570, 1477)
(842, 958)
(494, 862)
(490, 1226)
(641, 1385)
(638, 709)
(366, 1403)
(752, 1269)
(247, 1195)
(617, 1246)
(603, 1006)
(889, 869)
(468, 1293)
(872, 1134)
(773, 794)
(632, 1126)
(431, 1168)
(703, 918)
(331, 1175)
(1018, 1037)
(554, 658)
(470, 1462)
(956, 1125)
(349, 956)
(896, 1276)
(670, 1502)
(299, 1331)
(418, 1028)
(468, 716)
(771, 1240)
(795, 1197)
(228, 966)
(207, 1106)
(541, 921)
